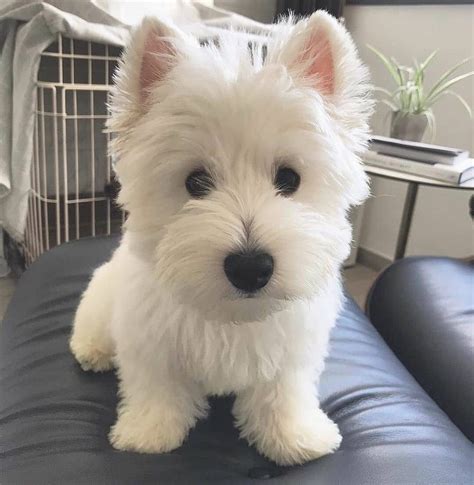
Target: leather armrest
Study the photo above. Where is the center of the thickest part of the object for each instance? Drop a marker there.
(424, 309)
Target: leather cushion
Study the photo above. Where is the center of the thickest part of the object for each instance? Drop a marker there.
(54, 418)
(424, 309)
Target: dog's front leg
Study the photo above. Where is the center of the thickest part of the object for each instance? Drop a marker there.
(156, 412)
(283, 420)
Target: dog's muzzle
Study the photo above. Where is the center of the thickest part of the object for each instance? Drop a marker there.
(249, 271)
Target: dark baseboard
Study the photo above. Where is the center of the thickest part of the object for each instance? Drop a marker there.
(372, 260)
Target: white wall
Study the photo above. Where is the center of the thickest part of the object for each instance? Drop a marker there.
(441, 223)
(261, 10)
(131, 12)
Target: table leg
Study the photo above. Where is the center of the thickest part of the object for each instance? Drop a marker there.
(407, 216)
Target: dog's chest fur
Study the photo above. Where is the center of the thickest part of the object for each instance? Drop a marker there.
(230, 357)
(227, 357)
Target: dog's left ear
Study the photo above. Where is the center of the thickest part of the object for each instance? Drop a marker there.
(321, 53)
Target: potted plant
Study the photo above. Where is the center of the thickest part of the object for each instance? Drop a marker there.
(411, 102)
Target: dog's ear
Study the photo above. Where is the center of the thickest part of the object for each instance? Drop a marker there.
(151, 54)
(153, 50)
(320, 54)
(155, 46)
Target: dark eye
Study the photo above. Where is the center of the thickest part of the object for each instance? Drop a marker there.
(199, 183)
(287, 181)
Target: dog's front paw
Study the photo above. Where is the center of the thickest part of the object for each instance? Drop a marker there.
(292, 442)
(147, 433)
(90, 356)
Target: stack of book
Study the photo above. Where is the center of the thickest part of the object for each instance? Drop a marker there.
(449, 165)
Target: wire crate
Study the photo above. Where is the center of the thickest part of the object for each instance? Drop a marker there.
(72, 183)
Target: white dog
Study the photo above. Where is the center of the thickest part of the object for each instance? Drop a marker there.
(238, 165)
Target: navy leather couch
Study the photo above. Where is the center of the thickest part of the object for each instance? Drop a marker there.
(400, 386)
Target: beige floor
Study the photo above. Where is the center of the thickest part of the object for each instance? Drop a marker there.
(358, 280)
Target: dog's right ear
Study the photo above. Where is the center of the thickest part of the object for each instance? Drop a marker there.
(152, 52)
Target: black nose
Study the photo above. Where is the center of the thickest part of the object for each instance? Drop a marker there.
(249, 271)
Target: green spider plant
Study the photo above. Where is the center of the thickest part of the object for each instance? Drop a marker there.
(411, 97)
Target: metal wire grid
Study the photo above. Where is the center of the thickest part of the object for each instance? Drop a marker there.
(71, 167)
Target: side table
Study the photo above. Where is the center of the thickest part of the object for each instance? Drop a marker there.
(413, 182)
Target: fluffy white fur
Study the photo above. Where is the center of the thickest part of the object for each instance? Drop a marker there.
(162, 310)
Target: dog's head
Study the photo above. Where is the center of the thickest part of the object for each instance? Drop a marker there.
(238, 162)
